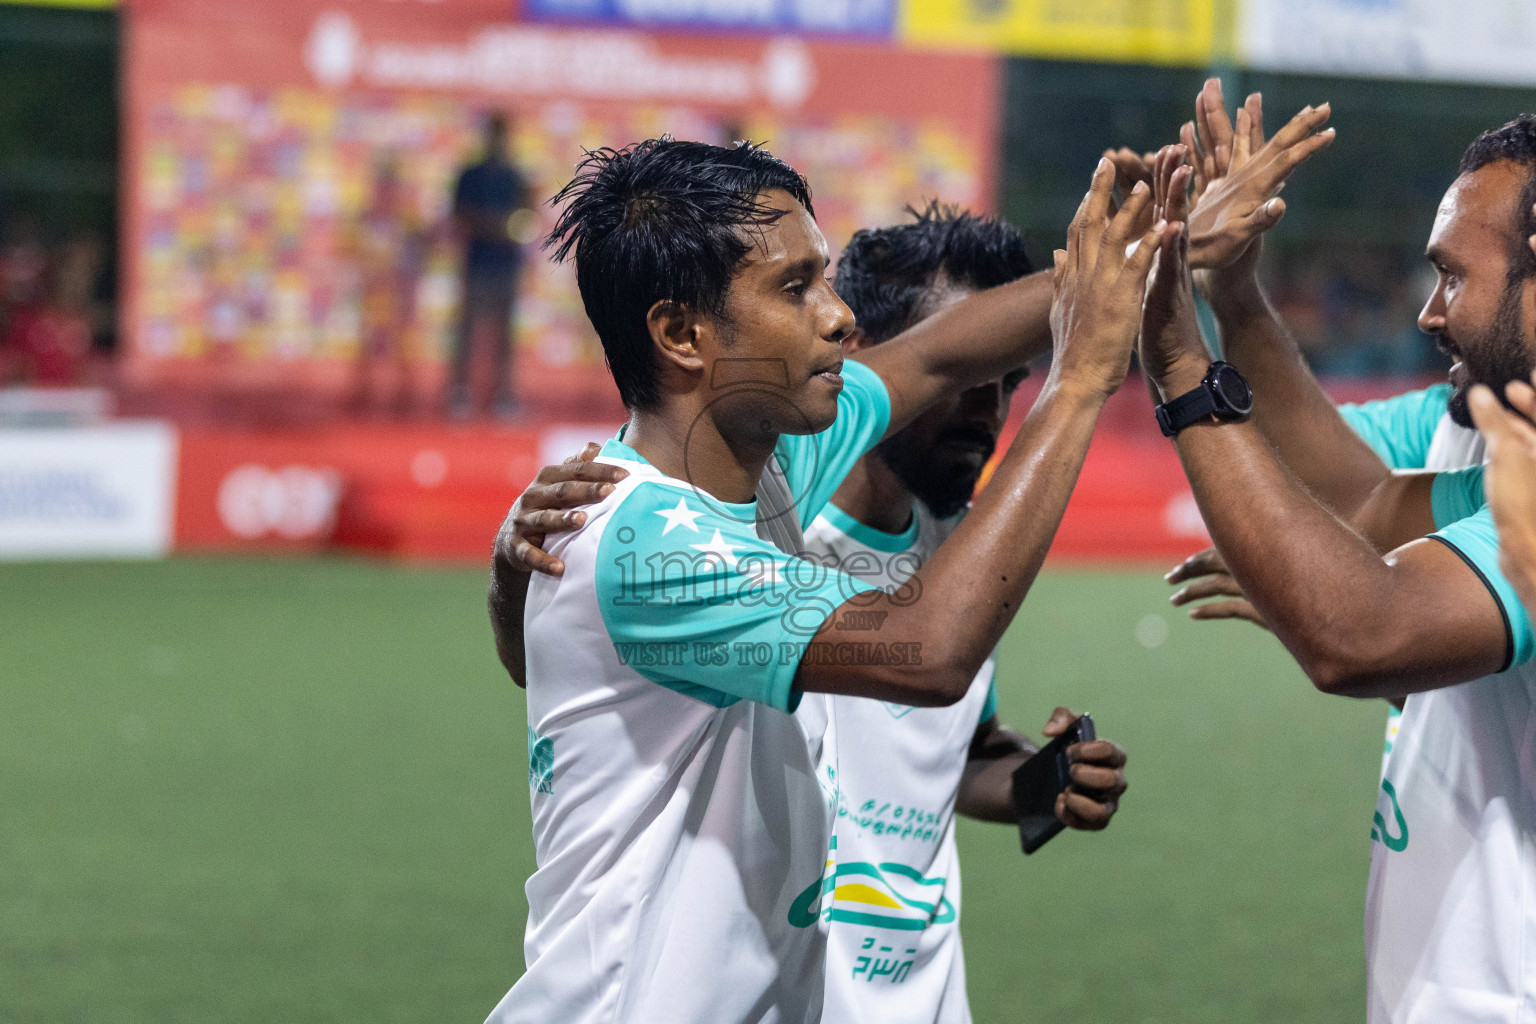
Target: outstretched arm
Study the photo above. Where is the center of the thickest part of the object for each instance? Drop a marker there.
(973, 585)
(1360, 624)
(977, 339)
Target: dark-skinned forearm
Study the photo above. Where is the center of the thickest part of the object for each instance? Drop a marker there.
(975, 340)
(970, 589)
(1355, 623)
(986, 784)
(506, 599)
(1290, 408)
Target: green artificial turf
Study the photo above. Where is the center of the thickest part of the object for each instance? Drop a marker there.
(256, 791)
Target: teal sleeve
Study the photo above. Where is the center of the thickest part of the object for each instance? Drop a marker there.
(1399, 429)
(695, 601)
(989, 709)
(1476, 540)
(1456, 494)
(815, 464)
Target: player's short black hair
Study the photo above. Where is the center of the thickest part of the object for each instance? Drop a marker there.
(662, 220)
(887, 275)
(1515, 142)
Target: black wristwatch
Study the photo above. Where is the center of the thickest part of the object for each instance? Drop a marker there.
(1224, 393)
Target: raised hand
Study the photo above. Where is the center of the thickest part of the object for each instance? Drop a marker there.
(1098, 287)
(1238, 175)
(546, 508)
(1205, 575)
(1170, 334)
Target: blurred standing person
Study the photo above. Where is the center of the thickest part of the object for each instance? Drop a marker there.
(486, 199)
(390, 254)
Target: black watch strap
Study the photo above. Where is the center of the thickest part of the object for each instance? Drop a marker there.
(1191, 407)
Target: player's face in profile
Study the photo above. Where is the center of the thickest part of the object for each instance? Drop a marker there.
(940, 455)
(780, 351)
(1477, 315)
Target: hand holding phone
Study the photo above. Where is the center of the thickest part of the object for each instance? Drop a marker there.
(1040, 780)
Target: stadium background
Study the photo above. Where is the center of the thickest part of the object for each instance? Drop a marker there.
(257, 756)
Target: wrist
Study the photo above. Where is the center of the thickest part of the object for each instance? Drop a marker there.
(1075, 391)
(1235, 298)
(1180, 376)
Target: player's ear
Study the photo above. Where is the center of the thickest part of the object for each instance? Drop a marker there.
(856, 341)
(676, 331)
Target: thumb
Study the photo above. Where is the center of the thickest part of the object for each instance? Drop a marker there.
(1060, 719)
(590, 452)
(1268, 215)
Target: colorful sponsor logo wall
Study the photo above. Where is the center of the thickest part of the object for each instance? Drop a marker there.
(876, 18)
(289, 170)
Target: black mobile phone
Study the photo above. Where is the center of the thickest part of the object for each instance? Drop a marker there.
(1038, 781)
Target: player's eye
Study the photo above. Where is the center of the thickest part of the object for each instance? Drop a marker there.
(796, 287)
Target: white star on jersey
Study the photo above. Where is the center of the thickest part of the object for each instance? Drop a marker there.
(717, 550)
(682, 515)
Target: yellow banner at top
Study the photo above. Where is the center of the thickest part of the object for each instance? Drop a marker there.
(1133, 31)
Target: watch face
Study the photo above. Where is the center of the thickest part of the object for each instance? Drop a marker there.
(1232, 390)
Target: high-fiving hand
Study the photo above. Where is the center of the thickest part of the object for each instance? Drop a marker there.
(1098, 286)
(1238, 175)
(1170, 334)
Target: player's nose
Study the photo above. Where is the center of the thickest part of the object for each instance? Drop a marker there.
(1432, 316)
(835, 316)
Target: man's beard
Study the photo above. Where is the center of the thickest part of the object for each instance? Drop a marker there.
(944, 493)
(1502, 355)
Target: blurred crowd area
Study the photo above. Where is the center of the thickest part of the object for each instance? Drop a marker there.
(308, 235)
(56, 308)
(1353, 309)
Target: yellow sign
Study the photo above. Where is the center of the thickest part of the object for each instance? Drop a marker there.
(1137, 31)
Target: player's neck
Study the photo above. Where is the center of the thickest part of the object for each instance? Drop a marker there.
(691, 447)
(875, 496)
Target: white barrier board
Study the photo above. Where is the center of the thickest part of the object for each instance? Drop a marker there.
(88, 492)
(1489, 41)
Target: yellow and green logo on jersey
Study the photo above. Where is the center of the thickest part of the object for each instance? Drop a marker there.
(885, 895)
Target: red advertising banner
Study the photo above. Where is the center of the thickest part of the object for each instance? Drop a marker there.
(290, 165)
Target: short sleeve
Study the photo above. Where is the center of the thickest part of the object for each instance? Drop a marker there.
(1400, 429)
(1476, 540)
(695, 601)
(1456, 494)
(815, 464)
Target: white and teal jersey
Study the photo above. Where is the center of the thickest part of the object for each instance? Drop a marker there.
(1413, 431)
(894, 951)
(1450, 926)
(680, 826)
